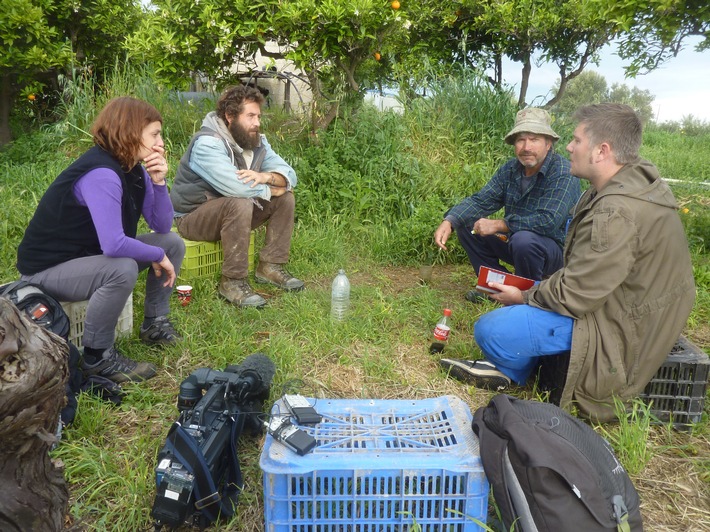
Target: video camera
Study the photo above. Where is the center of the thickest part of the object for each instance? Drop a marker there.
(198, 477)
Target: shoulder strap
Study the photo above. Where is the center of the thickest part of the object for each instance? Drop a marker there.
(208, 498)
(15, 285)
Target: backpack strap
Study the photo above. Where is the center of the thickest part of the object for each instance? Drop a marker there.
(524, 520)
(621, 514)
(208, 498)
(15, 285)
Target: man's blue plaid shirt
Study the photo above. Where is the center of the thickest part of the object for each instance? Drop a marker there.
(542, 208)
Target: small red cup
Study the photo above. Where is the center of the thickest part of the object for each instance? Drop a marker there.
(184, 293)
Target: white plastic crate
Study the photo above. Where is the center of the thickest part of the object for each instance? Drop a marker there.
(76, 310)
(380, 465)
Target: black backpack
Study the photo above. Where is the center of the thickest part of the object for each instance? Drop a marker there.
(550, 471)
(39, 306)
(47, 312)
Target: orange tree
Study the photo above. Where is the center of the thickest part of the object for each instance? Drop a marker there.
(332, 42)
(30, 46)
(335, 43)
(654, 31)
(42, 39)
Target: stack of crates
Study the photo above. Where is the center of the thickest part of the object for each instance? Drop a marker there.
(384, 465)
(76, 311)
(677, 391)
(204, 259)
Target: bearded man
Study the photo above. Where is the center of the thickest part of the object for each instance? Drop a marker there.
(231, 181)
(537, 193)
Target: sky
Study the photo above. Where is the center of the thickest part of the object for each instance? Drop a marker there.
(681, 86)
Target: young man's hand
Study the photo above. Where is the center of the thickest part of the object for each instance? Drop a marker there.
(272, 179)
(509, 295)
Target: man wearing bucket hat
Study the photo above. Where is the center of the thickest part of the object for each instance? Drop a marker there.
(608, 318)
(537, 193)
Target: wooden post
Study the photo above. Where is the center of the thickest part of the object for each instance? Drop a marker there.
(33, 372)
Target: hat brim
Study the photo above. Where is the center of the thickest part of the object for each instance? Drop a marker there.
(535, 129)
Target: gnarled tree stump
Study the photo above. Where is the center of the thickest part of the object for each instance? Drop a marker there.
(33, 372)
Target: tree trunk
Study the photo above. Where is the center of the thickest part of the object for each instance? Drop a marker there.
(524, 81)
(33, 372)
(5, 104)
(323, 111)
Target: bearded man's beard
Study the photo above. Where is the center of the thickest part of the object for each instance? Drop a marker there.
(245, 139)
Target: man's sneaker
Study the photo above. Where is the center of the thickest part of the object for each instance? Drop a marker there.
(239, 293)
(276, 274)
(159, 332)
(474, 296)
(118, 368)
(480, 373)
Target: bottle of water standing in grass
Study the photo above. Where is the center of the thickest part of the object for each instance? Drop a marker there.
(340, 296)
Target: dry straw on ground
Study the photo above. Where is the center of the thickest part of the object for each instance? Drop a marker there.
(674, 487)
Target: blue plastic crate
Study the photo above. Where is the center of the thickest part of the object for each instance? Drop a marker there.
(380, 465)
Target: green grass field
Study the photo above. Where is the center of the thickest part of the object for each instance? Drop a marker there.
(372, 191)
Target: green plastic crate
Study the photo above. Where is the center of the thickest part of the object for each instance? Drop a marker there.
(204, 259)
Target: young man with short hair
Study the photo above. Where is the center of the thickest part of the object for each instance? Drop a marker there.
(621, 300)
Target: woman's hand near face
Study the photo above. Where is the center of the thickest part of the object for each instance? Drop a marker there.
(156, 165)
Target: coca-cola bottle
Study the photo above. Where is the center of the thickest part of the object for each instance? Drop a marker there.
(441, 332)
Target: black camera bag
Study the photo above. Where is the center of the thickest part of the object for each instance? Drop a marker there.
(38, 306)
(213, 501)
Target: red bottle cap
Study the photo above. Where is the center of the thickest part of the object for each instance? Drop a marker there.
(447, 312)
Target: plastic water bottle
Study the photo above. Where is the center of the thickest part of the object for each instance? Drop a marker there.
(441, 332)
(340, 296)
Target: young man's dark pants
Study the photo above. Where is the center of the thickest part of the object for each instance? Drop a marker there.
(532, 255)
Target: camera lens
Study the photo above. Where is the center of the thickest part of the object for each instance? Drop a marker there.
(189, 394)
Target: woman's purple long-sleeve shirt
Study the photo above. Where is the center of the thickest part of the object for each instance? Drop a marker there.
(100, 190)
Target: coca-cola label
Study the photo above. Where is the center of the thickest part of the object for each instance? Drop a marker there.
(441, 332)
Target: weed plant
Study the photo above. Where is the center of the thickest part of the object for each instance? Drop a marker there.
(630, 436)
(82, 99)
(372, 190)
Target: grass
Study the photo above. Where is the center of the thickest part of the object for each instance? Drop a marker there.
(372, 190)
(630, 437)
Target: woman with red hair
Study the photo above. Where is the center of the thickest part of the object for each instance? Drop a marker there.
(82, 242)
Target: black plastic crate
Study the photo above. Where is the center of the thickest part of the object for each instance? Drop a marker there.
(677, 391)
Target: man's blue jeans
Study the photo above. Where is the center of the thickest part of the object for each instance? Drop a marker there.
(514, 337)
(533, 256)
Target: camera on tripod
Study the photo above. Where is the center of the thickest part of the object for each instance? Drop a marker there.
(198, 477)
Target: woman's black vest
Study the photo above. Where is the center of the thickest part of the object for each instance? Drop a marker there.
(62, 230)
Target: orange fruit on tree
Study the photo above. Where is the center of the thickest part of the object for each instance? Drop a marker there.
(395, 4)
(31, 97)
(377, 56)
